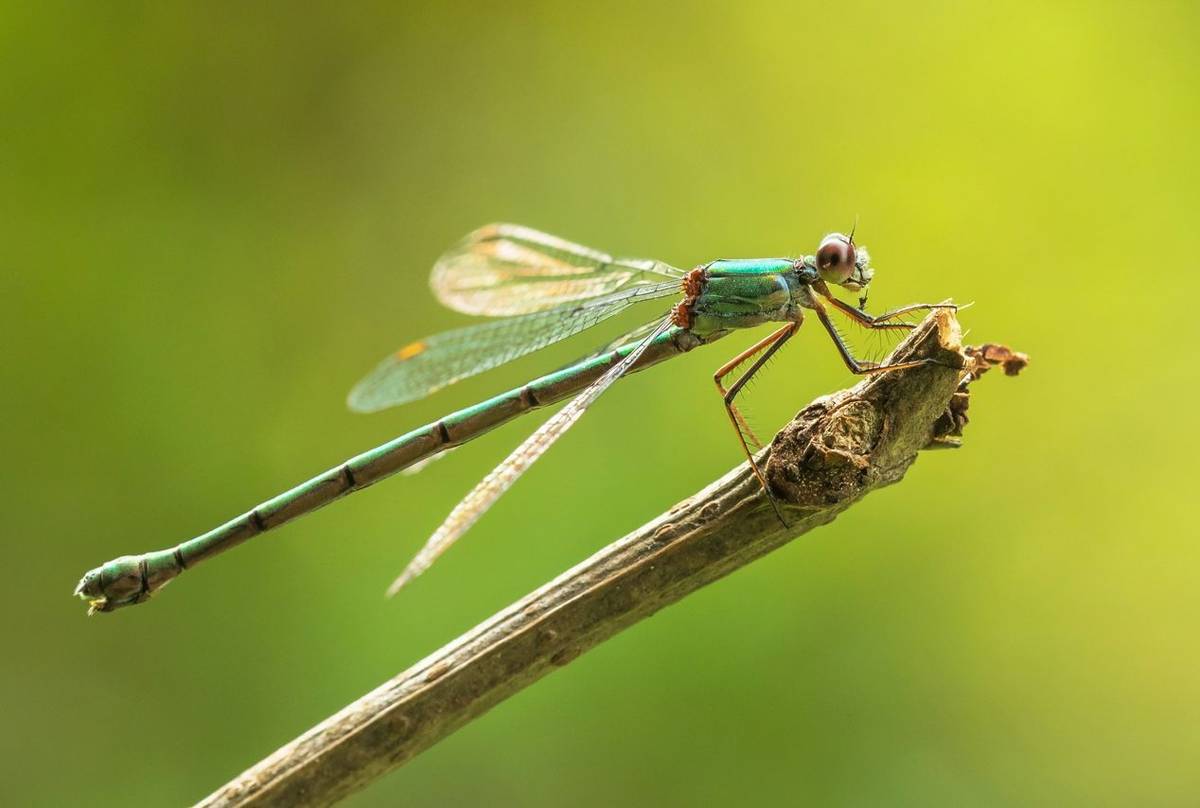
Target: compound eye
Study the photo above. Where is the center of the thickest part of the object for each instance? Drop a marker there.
(836, 252)
(829, 255)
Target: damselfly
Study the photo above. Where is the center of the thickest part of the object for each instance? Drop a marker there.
(546, 289)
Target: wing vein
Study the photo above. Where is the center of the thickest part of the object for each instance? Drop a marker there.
(501, 478)
(428, 365)
(507, 269)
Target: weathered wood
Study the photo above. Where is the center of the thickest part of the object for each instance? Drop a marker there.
(835, 451)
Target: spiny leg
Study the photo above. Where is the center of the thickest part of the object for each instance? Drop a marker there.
(855, 365)
(767, 347)
(739, 421)
(879, 321)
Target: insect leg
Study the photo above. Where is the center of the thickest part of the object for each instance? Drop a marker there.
(739, 422)
(880, 321)
(766, 348)
(855, 365)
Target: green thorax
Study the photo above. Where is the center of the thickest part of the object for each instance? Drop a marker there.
(746, 292)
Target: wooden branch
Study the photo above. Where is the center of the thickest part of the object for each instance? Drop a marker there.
(833, 453)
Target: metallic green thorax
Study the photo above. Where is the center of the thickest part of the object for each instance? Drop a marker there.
(746, 292)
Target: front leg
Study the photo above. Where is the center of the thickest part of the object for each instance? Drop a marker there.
(881, 321)
(855, 365)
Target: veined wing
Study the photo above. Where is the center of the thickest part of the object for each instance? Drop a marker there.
(630, 337)
(493, 486)
(421, 367)
(505, 269)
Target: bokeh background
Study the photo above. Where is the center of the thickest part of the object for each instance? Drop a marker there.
(215, 219)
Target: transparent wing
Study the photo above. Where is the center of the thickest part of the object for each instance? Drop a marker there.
(505, 269)
(421, 367)
(629, 337)
(493, 486)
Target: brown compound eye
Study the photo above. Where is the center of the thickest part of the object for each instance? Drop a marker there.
(835, 258)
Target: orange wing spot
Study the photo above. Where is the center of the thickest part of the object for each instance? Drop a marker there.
(410, 350)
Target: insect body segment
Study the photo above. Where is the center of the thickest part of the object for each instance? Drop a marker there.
(744, 293)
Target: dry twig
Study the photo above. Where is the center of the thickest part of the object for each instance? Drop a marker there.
(834, 452)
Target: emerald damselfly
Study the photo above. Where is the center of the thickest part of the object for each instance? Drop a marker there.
(544, 289)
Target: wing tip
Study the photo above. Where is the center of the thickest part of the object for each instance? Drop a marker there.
(355, 403)
(364, 397)
(491, 231)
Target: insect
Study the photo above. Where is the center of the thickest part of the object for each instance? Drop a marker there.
(544, 289)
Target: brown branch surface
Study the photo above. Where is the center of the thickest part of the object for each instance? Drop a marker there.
(834, 452)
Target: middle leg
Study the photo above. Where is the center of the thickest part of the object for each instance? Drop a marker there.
(765, 349)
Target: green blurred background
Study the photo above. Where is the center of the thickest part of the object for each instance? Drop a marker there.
(215, 220)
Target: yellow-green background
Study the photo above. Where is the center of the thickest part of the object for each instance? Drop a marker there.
(214, 220)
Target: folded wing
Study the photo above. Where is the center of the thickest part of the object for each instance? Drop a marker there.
(505, 269)
(492, 487)
(427, 365)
